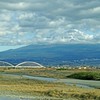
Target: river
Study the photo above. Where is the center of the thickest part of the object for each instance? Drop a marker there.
(11, 97)
(90, 84)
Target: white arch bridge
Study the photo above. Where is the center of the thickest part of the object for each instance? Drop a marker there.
(26, 64)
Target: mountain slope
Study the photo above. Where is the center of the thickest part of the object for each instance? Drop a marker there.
(72, 54)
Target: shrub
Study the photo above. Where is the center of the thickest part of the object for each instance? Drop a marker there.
(86, 75)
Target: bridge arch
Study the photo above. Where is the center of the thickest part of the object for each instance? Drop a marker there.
(5, 64)
(29, 64)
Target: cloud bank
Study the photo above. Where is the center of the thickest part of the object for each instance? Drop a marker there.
(24, 22)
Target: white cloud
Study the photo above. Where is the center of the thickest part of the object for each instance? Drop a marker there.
(55, 21)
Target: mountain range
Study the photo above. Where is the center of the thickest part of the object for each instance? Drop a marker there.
(55, 54)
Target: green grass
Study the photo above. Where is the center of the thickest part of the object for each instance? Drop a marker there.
(86, 75)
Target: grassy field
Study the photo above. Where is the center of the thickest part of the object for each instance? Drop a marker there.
(17, 85)
(21, 86)
(48, 72)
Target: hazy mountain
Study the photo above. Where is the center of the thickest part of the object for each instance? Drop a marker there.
(59, 54)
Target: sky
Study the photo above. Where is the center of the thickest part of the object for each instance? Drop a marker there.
(24, 22)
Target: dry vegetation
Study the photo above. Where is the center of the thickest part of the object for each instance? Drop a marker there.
(47, 72)
(18, 85)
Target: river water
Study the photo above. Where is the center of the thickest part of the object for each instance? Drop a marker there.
(79, 83)
(30, 98)
(90, 84)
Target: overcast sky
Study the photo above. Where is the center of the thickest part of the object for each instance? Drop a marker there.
(24, 22)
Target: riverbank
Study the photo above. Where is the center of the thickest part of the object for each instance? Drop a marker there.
(13, 97)
(47, 72)
(18, 85)
(90, 84)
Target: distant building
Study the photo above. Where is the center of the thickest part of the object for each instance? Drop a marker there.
(82, 68)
